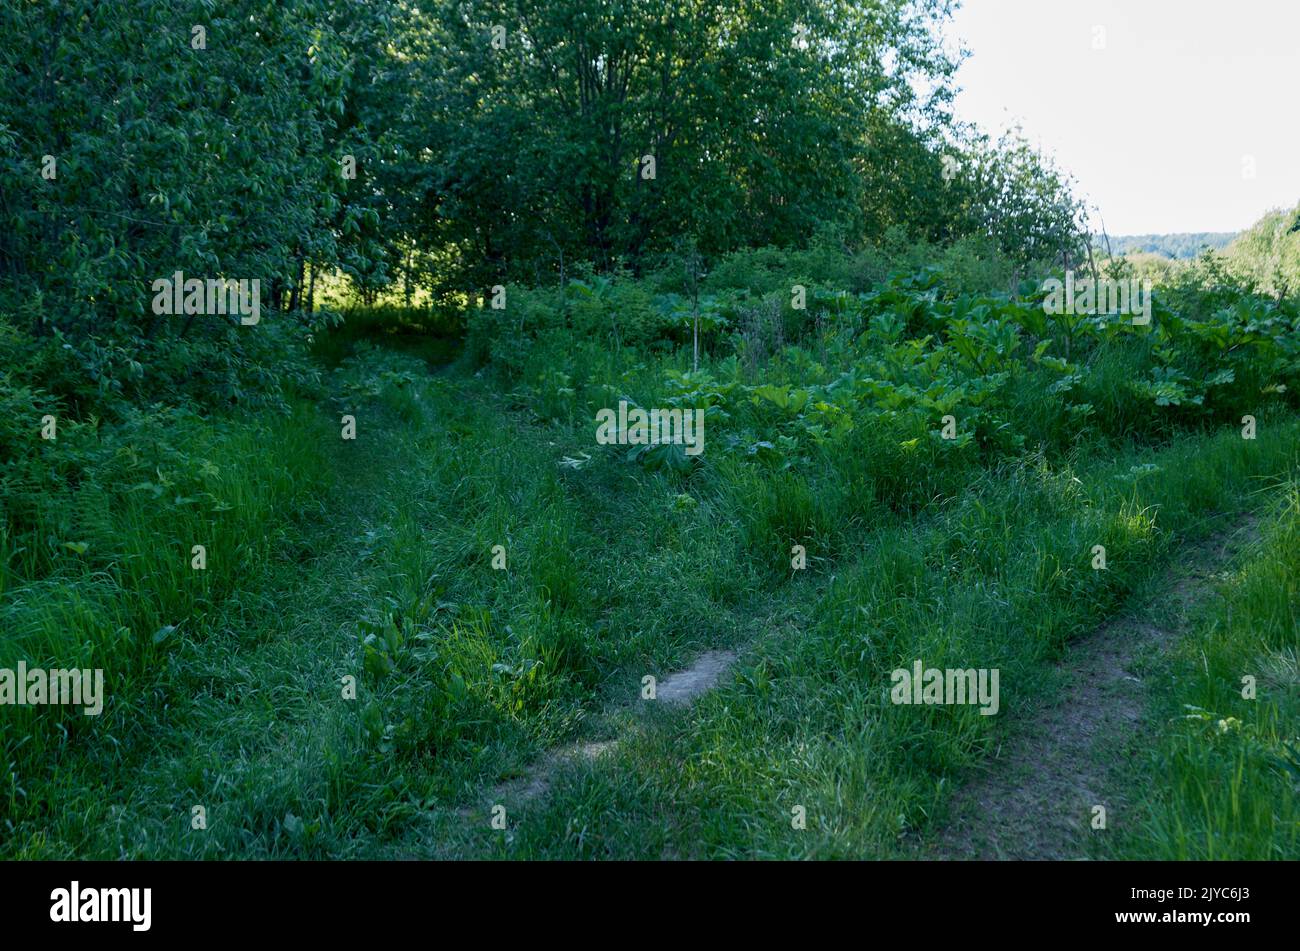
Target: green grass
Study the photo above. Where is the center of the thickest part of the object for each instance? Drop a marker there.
(373, 559)
(1230, 763)
(129, 601)
(999, 578)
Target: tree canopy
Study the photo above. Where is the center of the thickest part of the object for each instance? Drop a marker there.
(456, 145)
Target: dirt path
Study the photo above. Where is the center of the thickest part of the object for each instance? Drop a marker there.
(1036, 798)
(680, 688)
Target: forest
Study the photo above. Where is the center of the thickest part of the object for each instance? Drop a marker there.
(1181, 246)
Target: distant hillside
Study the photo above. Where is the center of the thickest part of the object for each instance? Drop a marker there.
(1177, 246)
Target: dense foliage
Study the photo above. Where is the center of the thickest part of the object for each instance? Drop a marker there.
(1268, 253)
(451, 147)
(761, 212)
(893, 357)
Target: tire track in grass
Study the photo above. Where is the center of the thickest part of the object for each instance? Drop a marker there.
(1035, 799)
(248, 722)
(678, 689)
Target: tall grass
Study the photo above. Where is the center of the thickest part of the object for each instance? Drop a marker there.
(1000, 578)
(379, 559)
(1229, 756)
(106, 579)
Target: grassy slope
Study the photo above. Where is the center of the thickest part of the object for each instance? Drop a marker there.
(612, 573)
(241, 712)
(998, 577)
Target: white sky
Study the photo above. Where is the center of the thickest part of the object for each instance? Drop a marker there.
(1157, 124)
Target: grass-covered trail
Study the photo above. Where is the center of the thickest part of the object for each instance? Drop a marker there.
(435, 642)
(1055, 781)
